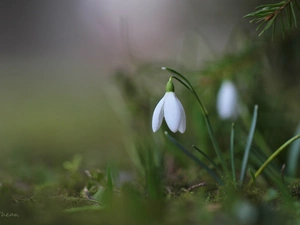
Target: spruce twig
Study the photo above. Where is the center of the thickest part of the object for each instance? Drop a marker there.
(266, 15)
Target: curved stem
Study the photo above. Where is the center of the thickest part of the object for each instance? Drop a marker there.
(189, 86)
(282, 147)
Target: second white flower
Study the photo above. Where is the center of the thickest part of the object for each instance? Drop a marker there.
(227, 101)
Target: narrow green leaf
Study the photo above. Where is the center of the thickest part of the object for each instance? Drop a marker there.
(193, 157)
(271, 5)
(282, 24)
(99, 195)
(184, 84)
(248, 145)
(264, 14)
(262, 157)
(260, 25)
(206, 156)
(297, 4)
(289, 15)
(249, 15)
(257, 159)
(153, 177)
(232, 151)
(180, 75)
(273, 156)
(269, 10)
(251, 21)
(267, 26)
(293, 13)
(253, 176)
(109, 179)
(273, 30)
(260, 13)
(293, 156)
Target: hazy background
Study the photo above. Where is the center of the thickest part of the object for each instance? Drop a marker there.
(57, 57)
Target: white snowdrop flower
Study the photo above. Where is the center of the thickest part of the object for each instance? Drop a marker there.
(170, 108)
(227, 101)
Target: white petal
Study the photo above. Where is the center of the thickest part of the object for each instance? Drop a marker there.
(182, 124)
(172, 111)
(227, 100)
(158, 115)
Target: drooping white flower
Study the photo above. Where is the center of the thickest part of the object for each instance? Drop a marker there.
(170, 108)
(227, 101)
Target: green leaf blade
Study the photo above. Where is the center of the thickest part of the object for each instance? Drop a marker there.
(293, 13)
(248, 145)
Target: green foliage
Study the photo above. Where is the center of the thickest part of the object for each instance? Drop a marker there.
(248, 145)
(167, 187)
(74, 164)
(197, 160)
(266, 16)
(293, 156)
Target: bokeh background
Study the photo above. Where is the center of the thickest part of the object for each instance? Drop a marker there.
(83, 77)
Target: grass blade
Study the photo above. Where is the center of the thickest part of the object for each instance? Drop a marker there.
(273, 156)
(180, 81)
(293, 13)
(259, 26)
(206, 156)
(289, 18)
(109, 179)
(248, 145)
(252, 175)
(271, 5)
(267, 26)
(294, 153)
(297, 4)
(232, 151)
(178, 74)
(282, 24)
(192, 156)
(273, 30)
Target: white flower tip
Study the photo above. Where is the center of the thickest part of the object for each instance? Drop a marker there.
(182, 127)
(154, 129)
(170, 108)
(163, 68)
(181, 131)
(227, 101)
(158, 115)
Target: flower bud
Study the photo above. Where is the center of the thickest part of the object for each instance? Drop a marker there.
(227, 101)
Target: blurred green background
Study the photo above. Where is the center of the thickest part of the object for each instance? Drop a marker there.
(79, 82)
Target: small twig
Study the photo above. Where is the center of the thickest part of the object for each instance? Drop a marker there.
(196, 186)
(269, 17)
(87, 194)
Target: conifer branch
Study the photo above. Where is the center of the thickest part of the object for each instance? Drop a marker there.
(267, 14)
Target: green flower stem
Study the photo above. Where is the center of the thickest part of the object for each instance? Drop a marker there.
(279, 150)
(184, 84)
(232, 151)
(215, 144)
(189, 86)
